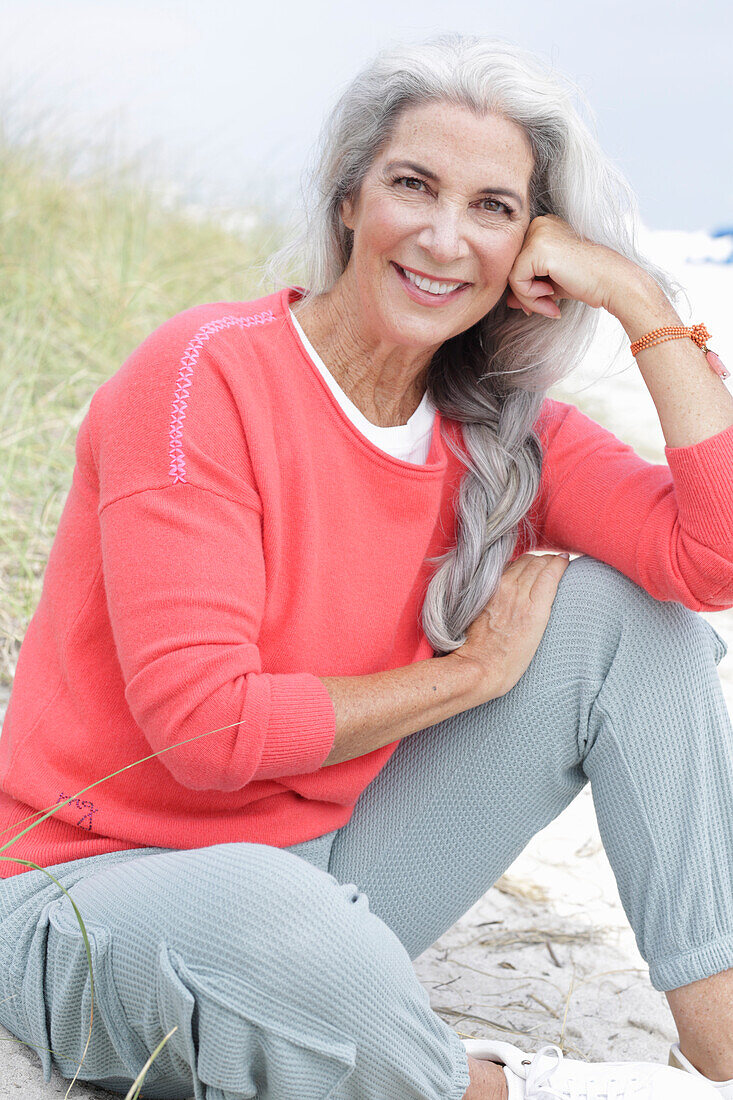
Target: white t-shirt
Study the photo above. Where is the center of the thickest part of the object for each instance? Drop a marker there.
(409, 442)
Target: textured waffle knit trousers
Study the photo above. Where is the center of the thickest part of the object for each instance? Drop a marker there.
(287, 972)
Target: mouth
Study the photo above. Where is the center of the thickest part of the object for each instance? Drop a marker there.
(428, 291)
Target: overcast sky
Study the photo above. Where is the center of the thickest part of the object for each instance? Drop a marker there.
(227, 97)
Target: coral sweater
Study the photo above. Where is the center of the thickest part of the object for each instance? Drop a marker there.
(230, 537)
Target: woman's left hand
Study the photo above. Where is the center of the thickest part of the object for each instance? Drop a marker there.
(554, 262)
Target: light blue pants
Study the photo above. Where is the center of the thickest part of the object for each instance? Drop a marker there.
(288, 972)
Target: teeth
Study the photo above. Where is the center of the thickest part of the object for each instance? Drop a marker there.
(430, 286)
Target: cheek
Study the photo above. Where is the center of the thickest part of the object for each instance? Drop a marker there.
(499, 257)
(387, 226)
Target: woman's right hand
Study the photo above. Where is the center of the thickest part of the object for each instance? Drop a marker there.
(504, 637)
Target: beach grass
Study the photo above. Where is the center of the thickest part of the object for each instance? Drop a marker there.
(90, 264)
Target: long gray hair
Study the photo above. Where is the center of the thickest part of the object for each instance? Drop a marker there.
(494, 376)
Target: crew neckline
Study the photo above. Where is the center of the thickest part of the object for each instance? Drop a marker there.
(415, 429)
(437, 458)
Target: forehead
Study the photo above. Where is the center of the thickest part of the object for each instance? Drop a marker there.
(452, 141)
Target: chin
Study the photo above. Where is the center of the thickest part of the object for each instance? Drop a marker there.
(419, 336)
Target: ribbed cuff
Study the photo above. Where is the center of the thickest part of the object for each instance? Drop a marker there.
(701, 962)
(703, 481)
(301, 728)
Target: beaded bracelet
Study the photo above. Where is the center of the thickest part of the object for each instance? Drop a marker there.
(698, 333)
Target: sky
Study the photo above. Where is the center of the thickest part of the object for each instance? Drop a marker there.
(225, 99)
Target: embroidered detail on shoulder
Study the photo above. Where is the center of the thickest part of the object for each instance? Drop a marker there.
(86, 820)
(190, 357)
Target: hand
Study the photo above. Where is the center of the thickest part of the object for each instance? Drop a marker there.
(504, 637)
(554, 262)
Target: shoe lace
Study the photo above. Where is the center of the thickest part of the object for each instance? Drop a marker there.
(535, 1085)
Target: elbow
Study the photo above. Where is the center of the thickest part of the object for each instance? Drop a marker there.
(704, 577)
(199, 753)
(206, 733)
(197, 772)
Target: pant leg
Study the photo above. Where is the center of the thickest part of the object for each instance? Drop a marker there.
(622, 691)
(280, 980)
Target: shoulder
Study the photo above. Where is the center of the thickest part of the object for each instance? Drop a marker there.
(186, 333)
(189, 343)
(562, 420)
(178, 408)
(551, 416)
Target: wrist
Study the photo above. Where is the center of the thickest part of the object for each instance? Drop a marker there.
(472, 676)
(641, 305)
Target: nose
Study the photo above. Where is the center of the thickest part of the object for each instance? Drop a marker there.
(442, 235)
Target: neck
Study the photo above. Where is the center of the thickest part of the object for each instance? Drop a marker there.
(385, 381)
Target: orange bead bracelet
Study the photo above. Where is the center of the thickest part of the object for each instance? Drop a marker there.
(698, 333)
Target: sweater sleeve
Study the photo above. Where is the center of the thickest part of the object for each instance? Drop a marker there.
(667, 527)
(184, 575)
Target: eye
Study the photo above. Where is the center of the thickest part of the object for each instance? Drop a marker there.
(508, 208)
(408, 180)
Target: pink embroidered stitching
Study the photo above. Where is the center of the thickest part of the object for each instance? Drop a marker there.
(81, 805)
(190, 356)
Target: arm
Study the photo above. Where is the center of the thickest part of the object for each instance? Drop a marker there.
(668, 528)
(372, 711)
(185, 585)
(180, 527)
(671, 531)
(692, 400)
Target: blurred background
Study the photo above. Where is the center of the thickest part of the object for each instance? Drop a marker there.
(228, 96)
(151, 154)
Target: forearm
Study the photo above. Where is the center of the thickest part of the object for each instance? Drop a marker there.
(692, 401)
(377, 709)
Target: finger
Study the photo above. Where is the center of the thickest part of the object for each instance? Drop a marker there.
(551, 573)
(516, 568)
(539, 288)
(546, 305)
(543, 295)
(533, 565)
(540, 298)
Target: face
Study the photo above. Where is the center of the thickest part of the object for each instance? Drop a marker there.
(446, 215)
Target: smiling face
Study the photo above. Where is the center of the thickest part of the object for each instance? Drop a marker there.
(436, 202)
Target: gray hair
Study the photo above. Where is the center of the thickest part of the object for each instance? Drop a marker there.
(493, 377)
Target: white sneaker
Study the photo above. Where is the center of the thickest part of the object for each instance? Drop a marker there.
(724, 1089)
(549, 1074)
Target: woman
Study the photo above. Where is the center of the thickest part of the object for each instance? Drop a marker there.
(350, 744)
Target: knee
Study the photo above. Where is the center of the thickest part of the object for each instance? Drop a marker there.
(596, 591)
(321, 991)
(592, 587)
(595, 599)
(308, 967)
(293, 926)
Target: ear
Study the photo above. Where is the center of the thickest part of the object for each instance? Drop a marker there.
(346, 211)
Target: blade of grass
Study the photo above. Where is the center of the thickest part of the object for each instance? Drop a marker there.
(138, 1082)
(28, 863)
(35, 866)
(96, 783)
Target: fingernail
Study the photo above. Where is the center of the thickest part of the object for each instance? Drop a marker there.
(564, 555)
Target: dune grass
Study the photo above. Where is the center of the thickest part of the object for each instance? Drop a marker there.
(89, 266)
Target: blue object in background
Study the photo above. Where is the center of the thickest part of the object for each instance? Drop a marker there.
(726, 232)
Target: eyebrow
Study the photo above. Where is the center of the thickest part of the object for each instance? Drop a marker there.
(431, 176)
